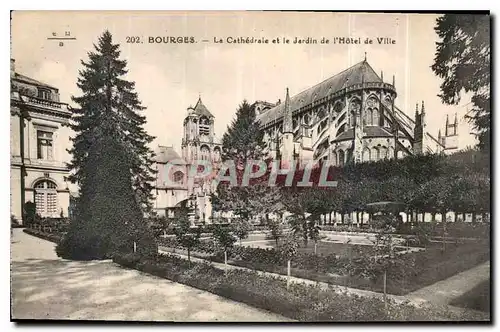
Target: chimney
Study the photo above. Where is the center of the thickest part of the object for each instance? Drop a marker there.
(12, 68)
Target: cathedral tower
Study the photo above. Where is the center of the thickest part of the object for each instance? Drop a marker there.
(420, 131)
(198, 138)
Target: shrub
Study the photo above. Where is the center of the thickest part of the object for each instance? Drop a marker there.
(14, 223)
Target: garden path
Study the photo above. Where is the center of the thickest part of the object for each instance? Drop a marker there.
(44, 286)
(444, 291)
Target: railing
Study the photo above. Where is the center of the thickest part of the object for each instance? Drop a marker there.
(45, 102)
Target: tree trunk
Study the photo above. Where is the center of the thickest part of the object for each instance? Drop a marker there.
(474, 217)
(189, 257)
(329, 218)
(288, 273)
(443, 216)
(342, 216)
(276, 239)
(385, 288)
(225, 260)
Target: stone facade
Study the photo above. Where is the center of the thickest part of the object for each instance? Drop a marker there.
(350, 117)
(38, 141)
(199, 143)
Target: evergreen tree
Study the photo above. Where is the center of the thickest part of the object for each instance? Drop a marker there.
(241, 143)
(111, 162)
(243, 139)
(106, 95)
(463, 62)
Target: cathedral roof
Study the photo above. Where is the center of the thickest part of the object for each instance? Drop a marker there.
(165, 154)
(356, 74)
(200, 109)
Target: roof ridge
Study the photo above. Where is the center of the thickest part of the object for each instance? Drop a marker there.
(329, 77)
(34, 81)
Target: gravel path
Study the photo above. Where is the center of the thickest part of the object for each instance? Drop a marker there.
(444, 291)
(44, 286)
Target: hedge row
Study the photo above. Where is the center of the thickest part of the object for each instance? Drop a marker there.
(306, 303)
(435, 229)
(43, 235)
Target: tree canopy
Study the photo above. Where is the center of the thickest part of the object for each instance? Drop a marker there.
(462, 60)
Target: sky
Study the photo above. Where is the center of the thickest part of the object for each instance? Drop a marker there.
(171, 77)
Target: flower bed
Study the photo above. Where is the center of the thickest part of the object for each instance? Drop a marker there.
(43, 235)
(300, 302)
(420, 269)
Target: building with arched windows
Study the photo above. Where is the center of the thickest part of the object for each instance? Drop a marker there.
(38, 153)
(349, 117)
(199, 143)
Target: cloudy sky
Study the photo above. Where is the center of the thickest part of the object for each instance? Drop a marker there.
(170, 77)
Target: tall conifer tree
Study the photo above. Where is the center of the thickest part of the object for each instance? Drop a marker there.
(112, 163)
(242, 142)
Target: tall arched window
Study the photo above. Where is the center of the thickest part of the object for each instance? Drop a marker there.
(366, 154)
(390, 152)
(341, 158)
(375, 154)
(204, 127)
(205, 153)
(334, 158)
(376, 117)
(217, 156)
(46, 198)
(383, 152)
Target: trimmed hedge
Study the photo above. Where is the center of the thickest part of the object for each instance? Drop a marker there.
(42, 235)
(301, 302)
(434, 229)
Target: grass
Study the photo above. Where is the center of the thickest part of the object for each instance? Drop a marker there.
(477, 298)
(432, 265)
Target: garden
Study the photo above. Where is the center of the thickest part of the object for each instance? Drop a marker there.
(298, 301)
(349, 266)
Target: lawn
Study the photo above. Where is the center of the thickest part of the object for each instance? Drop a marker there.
(477, 298)
(428, 267)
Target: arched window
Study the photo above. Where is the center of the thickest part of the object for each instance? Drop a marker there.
(217, 156)
(375, 155)
(178, 177)
(375, 117)
(204, 126)
(366, 154)
(341, 158)
(321, 114)
(205, 153)
(46, 198)
(390, 152)
(383, 152)
(306, 119)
